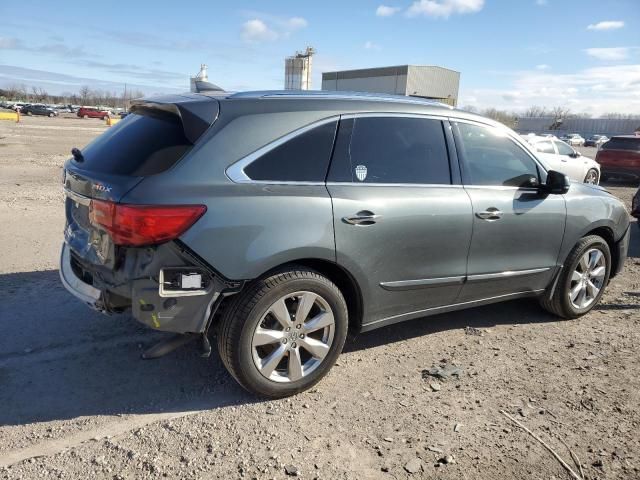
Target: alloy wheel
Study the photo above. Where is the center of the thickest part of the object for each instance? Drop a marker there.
(587, 279)
(592, 177)
(293, 337)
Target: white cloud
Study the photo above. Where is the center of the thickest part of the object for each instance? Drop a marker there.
(8, 43)
(386, 11)
(443, 8)
(543, 66)
(541, 3)
(606, 25)
(369, 45)
(296, 23)
(258, 30)
(254, 31)
(609, 54)
(617, 88)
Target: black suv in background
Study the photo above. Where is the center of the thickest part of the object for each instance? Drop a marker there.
(38, 110)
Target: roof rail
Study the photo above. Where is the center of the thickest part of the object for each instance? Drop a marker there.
(339, 95)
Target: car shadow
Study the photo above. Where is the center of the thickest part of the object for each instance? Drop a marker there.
(59, 360)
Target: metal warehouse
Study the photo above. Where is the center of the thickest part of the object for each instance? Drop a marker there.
(427, 81)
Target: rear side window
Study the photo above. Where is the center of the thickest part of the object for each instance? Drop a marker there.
(404, 150)
(492, 158)
(139, 145)
(632, 144)
(304, 158)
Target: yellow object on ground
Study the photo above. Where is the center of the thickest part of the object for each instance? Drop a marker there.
(112, 121)
(13, 116)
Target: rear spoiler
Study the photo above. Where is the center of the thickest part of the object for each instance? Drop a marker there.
(196, 112)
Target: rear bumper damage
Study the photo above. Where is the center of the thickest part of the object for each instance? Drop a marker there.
(164, 287)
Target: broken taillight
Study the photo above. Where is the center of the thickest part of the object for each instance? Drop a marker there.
(138, 225)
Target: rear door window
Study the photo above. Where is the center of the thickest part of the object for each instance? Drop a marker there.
(139, 145)
(545, 147)
(632, 144)
(304, 158)
(563, 148)
(404, 150)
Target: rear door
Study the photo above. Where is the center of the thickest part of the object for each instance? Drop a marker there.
(517, 231)
(574, 165)
(402, 220)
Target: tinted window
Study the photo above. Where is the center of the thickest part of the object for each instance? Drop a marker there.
(304, 158)
(492, 158)
(544, 147)
(139, 145)
(391, 150)
(622, 144)
(563, 148)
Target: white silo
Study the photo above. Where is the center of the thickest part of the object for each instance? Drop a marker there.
(297, 70)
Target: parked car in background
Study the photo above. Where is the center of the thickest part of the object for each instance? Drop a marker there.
(596, 141)
(564, 158)
(620, 157)
(549, 135)
(123, 114)
(37, 109)
(284, 219)
(573, 139)
(93, 112)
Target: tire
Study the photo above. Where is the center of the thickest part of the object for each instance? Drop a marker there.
(51, 115)
(560, 303)
(29, 114)
(85, 116)
(591, 177)
(241, 346)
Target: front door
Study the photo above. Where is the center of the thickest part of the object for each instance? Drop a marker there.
(517, 231)
(402, 228)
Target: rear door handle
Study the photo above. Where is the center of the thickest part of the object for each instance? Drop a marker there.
(364, 217)
(490, 214)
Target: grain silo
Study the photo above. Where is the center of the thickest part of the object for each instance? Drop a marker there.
(297, 70)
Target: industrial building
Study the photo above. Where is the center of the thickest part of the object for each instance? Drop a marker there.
(200, 82)
(297, 70)
(427, 81)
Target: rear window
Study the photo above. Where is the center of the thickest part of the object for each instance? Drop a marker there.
(622, 144)
(139, 145)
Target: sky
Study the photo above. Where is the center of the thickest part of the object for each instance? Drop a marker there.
(580, 54)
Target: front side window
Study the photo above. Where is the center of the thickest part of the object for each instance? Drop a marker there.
(304, 158)
(564, 149)
(492, 158)
(392, 149)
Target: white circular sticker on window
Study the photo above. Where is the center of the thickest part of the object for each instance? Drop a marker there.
(361, 172)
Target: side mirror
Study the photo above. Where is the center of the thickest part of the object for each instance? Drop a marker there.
(575, 154)
(557, 183)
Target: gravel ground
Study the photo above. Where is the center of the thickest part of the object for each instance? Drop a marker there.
(77, 402)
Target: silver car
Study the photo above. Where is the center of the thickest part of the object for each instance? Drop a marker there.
(281, 221)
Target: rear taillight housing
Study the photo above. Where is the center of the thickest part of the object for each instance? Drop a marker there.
(141, 225)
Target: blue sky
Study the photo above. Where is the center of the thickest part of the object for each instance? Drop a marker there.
(584, 54)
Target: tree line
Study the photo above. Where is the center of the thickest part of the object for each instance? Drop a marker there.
(84, 96)
(510, 118)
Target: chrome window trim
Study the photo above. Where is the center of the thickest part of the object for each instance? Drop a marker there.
(235, 171)
(425, 116)
(418, 185)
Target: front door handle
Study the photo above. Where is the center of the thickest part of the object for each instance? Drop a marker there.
(490, 214)
(364, 217)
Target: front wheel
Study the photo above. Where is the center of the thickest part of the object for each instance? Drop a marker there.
(284, 333)
(50, 115)
(591, 177)
(583, 279)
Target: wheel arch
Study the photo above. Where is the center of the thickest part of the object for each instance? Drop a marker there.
(607, 235)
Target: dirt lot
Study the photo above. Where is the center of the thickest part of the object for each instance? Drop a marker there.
(77, 402)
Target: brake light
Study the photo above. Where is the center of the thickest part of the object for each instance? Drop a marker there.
(138, 225)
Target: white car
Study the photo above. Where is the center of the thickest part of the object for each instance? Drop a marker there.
(573, 139)
(559, 156)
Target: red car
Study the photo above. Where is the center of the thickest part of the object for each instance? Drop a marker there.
(93, 112)
(620, 157)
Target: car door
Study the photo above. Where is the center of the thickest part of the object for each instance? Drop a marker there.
(574, 164)
(517, 231)
(402, 220)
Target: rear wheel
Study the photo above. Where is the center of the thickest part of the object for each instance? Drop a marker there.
(284, 333)
(50, 115)
(29, 113)
(591, 177)
(583, 279)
